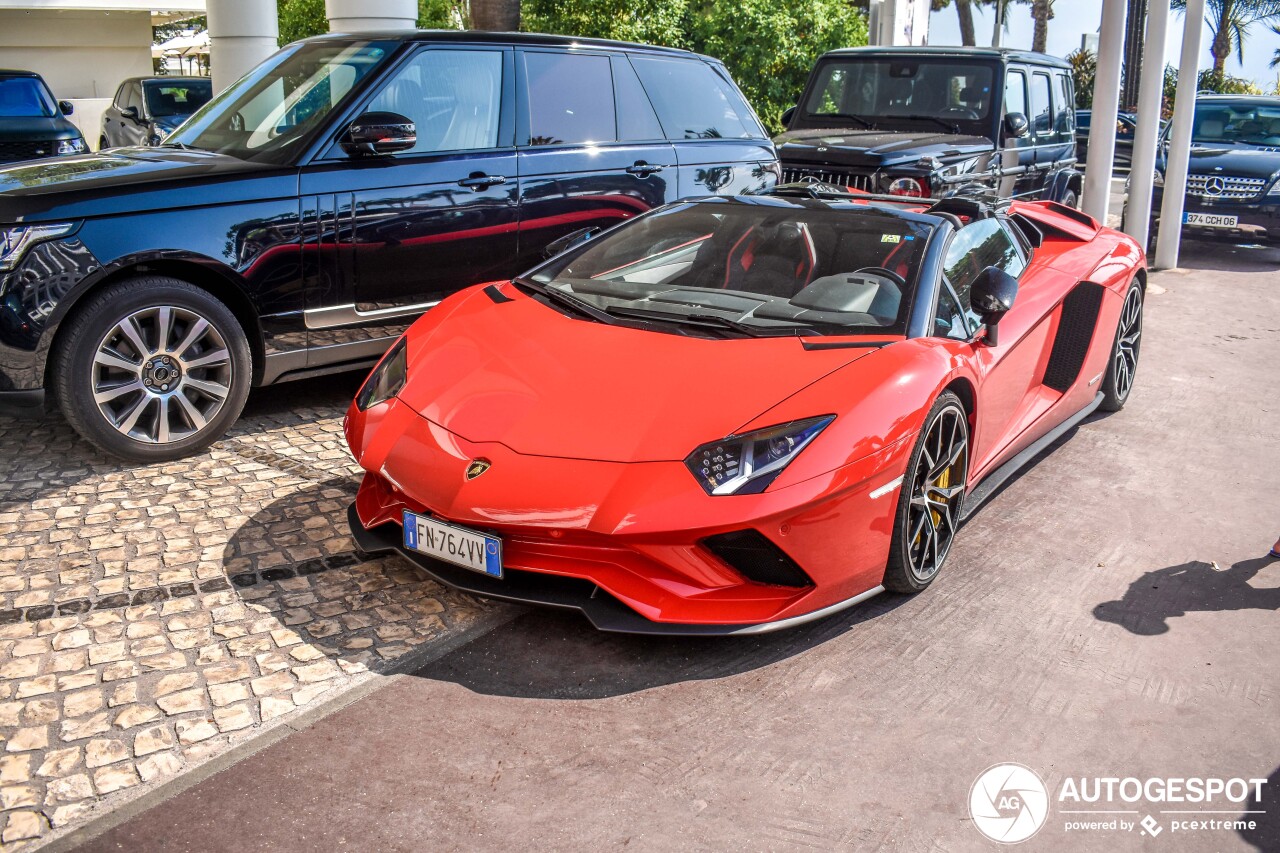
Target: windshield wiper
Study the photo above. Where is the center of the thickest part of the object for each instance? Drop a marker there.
(565, 299)
(713, 321)
(180, 145)
(855, 117)
(953, 128)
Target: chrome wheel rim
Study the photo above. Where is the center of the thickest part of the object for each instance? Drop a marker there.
(1128, 342)
(937, 490)
(161, 374)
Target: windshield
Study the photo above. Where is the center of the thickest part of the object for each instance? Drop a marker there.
(177, 99)
(25, 97)
(741, 268)
(1242, 122)
(948, 95)
(270, 114)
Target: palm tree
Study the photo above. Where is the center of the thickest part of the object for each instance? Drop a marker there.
(1229, 22)
(1042, 14)
(499, 15)
(1275, 60)
(964, 10)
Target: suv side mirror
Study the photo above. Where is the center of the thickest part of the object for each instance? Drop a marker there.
(787, 114)
(992, 296)
(67, 107)
(379, 133)
(130, 113)
(1016, 125)
(572, 240)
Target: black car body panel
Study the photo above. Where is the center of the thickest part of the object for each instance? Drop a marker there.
(25, 136)
(917, 133)
(326, 257)
(1230, 174)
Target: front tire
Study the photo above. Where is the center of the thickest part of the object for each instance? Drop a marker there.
(931, 498)
(1070, 199)
(1123, 365)
(152, 369)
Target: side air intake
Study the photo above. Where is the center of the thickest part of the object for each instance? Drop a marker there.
(753, 556)
(1075, 331)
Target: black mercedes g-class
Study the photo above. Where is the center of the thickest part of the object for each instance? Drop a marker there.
(928, 121)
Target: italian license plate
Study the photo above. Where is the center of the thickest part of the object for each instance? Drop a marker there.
(470, 549)
(1211, 220)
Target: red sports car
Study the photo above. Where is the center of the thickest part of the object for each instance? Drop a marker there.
(733, 415)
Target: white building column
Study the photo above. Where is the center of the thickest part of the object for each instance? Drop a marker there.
(1137, 219)
(1106, 103)
(242, 33)
(1169, 240)
(362, 16)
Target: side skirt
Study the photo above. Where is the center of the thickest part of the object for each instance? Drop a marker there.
(998, 477)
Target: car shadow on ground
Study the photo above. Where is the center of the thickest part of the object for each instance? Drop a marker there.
(1160, 595)
(1265, 834)
(547, 654)
(1226, 256)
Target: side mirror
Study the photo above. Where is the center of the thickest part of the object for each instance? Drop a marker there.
(992, 296)
(130, 113)
(787, 114)
(572, 240)
(379, 133)
(67, 107)
(1016, 125)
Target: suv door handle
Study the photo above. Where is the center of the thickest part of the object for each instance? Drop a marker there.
(480, 181)
(643, 169)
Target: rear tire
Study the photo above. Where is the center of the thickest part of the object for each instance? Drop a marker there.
(1123, 365)
(152, 369)
(103, 144)
(1070, 199)
(930, 499)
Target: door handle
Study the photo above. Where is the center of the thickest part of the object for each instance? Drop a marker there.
(480, 181)
(643, 169)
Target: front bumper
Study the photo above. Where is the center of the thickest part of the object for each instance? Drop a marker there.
(1257, 221)
(562, 592)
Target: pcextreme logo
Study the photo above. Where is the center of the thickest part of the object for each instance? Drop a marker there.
(1010, 803)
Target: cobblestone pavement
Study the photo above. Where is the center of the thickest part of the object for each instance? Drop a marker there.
(151, 617)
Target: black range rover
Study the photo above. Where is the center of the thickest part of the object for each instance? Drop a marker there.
(927, 121)
(298, 222)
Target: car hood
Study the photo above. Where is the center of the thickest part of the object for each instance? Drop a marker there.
(36, 129)
(131, 180)
(1245, 162)
(524, 375)
(876, 148)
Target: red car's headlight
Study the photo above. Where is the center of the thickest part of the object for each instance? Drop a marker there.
(387, 379)
(747, 464)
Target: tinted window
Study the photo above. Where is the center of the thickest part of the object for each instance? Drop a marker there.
(903, 93)
(693, 101)
(134, 97)
(1247, 121)
(453, 96)
(1082, 120)
(981, 244)
(177, 99)
(1041, 116)
(570, 98)
(1015, 98)
(25, 96)
(637, 122)
(1066, 108)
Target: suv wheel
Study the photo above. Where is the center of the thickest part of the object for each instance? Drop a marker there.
(152, 369)
(1070, 199)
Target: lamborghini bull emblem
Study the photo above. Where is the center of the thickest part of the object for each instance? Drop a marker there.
(478, 467)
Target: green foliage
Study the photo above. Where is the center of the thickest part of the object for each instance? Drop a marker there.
(299, 19)
(1224, 84)
(768, 46)
(1084, 69)
(443, 15)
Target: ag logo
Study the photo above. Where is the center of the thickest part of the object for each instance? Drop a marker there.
(478, 467)
(1008, 803)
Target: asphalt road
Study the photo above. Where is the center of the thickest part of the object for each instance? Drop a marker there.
(1109, 614)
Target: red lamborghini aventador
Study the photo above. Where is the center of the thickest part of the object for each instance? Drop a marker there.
(733, 415)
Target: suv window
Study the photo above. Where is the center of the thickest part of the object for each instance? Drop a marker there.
(637, 122)
(453, 96)
(570, 98)
(1015, 100)
(1066, 108)
(1041, 105)
(978, 245)
(693, 101)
